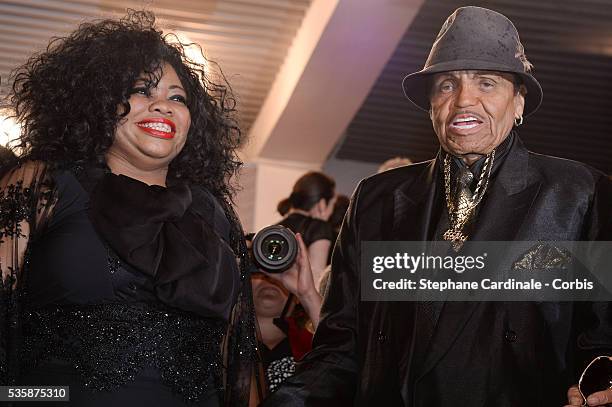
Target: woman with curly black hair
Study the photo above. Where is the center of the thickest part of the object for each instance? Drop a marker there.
(124, 271)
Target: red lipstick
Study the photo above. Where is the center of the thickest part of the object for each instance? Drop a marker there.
(158, 127)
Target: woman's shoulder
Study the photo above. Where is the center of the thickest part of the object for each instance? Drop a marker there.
(49, 177)
(27, 194)
(319, 224)
(319, 230)
(312, 229)
(40, 183)
(202, 199)
(22, 172)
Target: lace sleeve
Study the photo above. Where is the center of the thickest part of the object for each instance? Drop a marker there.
(25, 205)
(244, 382)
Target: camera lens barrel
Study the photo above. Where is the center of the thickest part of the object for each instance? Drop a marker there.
(275, 248)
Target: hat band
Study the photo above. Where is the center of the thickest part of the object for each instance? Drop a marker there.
(469, 65)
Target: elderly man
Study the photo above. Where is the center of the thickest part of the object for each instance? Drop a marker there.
(482, 186)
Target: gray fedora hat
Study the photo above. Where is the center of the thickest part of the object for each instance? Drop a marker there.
(475, 38)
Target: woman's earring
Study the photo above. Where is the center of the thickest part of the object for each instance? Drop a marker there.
(518, 121)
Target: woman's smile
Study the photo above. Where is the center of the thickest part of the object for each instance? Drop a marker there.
(158, 127)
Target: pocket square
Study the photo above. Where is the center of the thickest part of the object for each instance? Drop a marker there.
(542, 257)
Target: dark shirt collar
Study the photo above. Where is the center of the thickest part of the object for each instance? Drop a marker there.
(501, 151)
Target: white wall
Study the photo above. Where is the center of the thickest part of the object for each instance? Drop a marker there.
(348, 173)
(263, 185)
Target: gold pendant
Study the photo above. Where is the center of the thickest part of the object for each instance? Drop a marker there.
(461, 212)
(456, 237)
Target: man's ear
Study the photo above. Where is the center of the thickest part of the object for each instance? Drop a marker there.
(519, 101)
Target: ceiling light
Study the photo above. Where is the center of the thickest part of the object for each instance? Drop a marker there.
(9, 130)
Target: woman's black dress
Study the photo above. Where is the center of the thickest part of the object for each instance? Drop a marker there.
(125, 293)
(312, 229)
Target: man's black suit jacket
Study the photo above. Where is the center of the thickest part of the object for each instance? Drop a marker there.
(481, 353)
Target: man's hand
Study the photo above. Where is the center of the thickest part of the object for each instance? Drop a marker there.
(600, 398)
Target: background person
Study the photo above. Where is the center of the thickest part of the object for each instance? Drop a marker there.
(336, 218)
(394, 162)
(307, 211)
(340, 207)
(285, 334)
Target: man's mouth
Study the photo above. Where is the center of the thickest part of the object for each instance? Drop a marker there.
(160, 128)
(465, 122)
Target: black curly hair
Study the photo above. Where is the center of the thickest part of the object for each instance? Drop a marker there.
(66, 99)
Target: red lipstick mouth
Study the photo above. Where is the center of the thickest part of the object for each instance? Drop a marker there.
(158, 127)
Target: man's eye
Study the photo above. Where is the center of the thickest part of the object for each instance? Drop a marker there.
(487, 84)
(179, 98)
(446, 87)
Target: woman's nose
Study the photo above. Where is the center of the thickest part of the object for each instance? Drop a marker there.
(161, 105)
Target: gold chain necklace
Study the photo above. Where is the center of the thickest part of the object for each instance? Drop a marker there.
(460, 214)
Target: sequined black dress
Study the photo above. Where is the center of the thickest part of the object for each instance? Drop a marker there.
(122, 291)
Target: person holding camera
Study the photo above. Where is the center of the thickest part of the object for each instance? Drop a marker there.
(287, 306)
(307, 211)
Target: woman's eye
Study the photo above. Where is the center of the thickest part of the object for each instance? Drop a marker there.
(179, 98)
(141, 90)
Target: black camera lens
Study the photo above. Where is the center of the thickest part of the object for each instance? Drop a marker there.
(274, 248)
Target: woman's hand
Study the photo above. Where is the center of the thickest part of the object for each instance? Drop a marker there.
(299, 281)
(600, 398)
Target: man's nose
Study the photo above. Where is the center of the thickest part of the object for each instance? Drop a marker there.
(466, 95)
